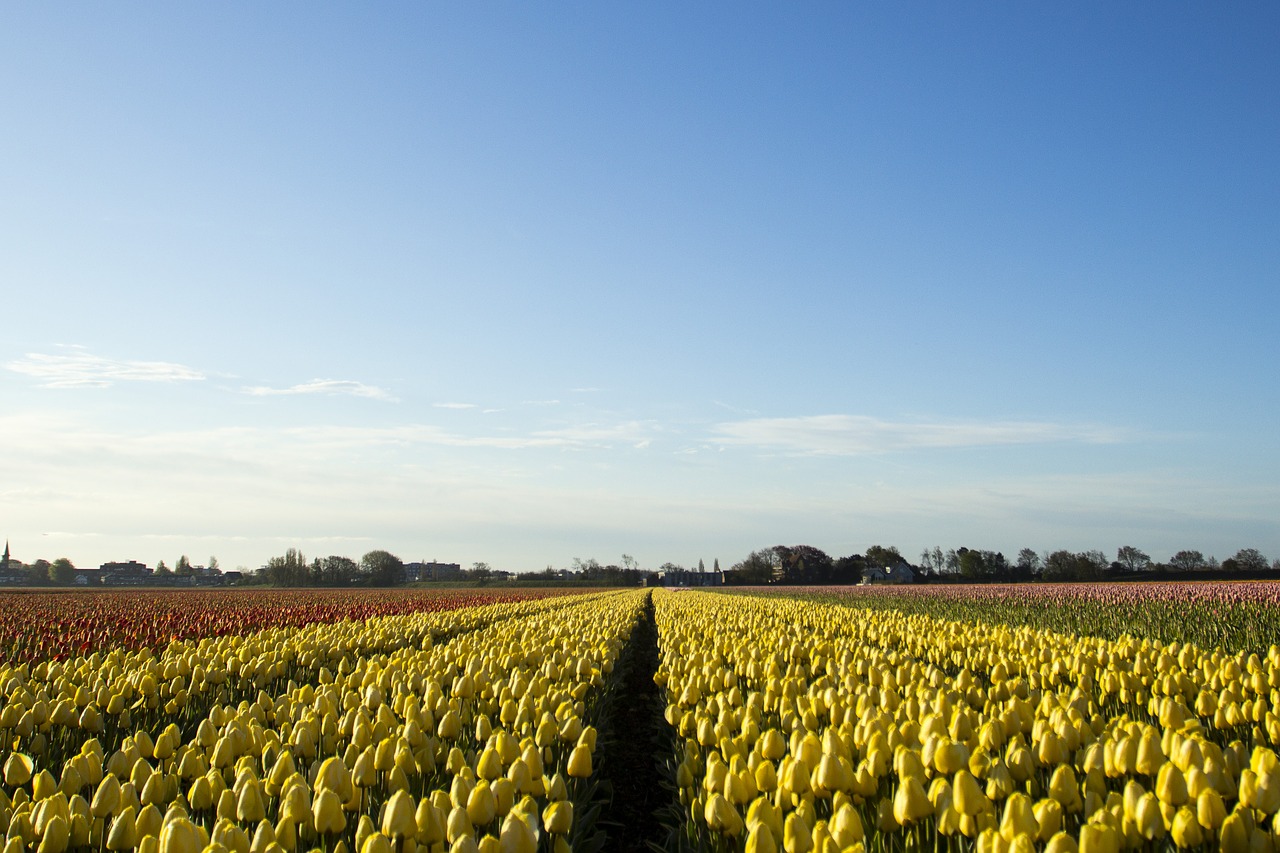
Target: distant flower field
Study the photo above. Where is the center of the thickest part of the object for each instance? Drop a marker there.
(1237, 615)
(865, 719)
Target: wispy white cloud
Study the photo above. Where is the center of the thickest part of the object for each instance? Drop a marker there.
(454, 405)
(348, 387)
(854, 435)
(80, 369)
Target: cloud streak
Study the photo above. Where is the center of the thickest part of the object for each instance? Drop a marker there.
(347, 387)
(857, 435)
(84, 370)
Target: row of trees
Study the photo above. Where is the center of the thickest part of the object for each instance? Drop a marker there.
(805, 564)
(376, 568)
(1063, 565)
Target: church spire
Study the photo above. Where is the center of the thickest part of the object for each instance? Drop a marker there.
(5, 564)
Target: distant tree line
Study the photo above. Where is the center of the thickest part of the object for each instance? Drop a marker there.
(807, 565)
(590, 571)
(376, 568)
(1130, 563)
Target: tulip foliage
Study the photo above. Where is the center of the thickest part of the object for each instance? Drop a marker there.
(820, 725)
(427, 730)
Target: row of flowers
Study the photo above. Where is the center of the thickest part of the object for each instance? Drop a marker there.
(1234, 615)
(38, 626)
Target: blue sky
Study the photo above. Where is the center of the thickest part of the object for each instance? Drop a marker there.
(525, 283)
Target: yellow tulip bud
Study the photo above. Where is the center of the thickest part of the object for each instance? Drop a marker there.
(249, 805)
(1186, 831)
(846, 827)
(17, 770)
(1048, 813)
(1150, 753)
(398, 820)
(230, 837)
(579, 764)
(1234, 836)
(1148, 817)
(481, 807)
(1171, 785)
(1019, 818)
(910, 803)
(1099, 838)
(1064, 788)
(1061, 843)
(149, 822)
(796, 835)
(56, 835)
(180, 836)
(106, 800)
(722, 817)
(516, 836)
(557, 817)
(967, 797)
(326, 811)
(760, 840)
(123, 834)
(458, 825)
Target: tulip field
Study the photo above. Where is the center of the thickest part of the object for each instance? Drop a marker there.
(447, 724)
(823, 722)
(1035, 718)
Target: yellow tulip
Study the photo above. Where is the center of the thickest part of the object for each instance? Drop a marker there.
(846, 827)
(910, 803)
(1065, 790)
(761, 840)
(1211, 812)
(1148, 817)
(376, 843)
(1019, 818)
(579, 763)
(398, 820)
(1048, 814)
(1171, 785)
(458, 825)
(56, 835)
(516, 836)
(123, 834)
(481, 807)
(1186, 831)
(1234, 835)
(966, 795)
(106, 800)
(180, 836)
(557, 817)
(796, 835)
(721, 816)
(326, 811)
(1099, 838)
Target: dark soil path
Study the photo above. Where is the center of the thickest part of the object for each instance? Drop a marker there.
(632, 760)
